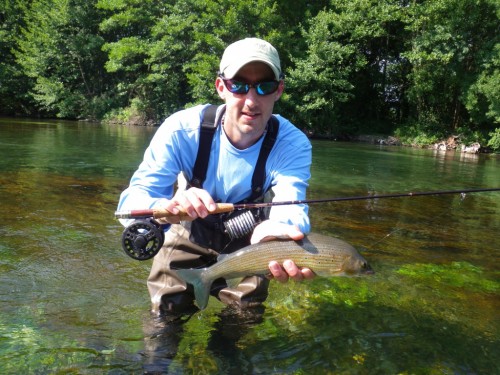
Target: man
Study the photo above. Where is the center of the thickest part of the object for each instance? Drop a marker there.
(250, 81)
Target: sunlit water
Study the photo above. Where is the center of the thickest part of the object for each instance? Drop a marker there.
(71, 301)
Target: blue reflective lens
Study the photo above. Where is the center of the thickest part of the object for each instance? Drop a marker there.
(262, 88)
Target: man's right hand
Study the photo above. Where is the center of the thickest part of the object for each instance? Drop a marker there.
(189, 204)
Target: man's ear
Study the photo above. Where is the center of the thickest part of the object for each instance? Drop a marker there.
(280, 90)
(219, 86)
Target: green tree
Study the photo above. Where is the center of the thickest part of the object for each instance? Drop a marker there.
(453, 54)
(128, 28)
(351, 66)
(483, 96)
(14, 84)
(173, 60)
(429, 67)
(60, 48)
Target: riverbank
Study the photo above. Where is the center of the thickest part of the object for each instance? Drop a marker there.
(452, 143)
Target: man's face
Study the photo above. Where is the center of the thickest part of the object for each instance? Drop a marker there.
(247, 114)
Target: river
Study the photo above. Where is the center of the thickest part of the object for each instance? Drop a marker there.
(71, 301)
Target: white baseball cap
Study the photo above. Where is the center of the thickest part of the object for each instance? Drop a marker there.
(246, 51)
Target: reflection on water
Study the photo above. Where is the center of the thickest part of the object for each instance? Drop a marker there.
(72, 301)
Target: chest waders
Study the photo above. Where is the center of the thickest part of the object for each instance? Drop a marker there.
(199, 242)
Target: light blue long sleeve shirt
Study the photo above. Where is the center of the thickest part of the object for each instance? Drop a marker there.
(173, 150)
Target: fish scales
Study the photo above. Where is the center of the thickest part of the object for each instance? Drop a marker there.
(254, 259)
(326, 256)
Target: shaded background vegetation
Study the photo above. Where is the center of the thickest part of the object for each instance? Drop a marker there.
(419, 69)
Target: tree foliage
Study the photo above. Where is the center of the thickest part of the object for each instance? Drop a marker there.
(14, 83)
(429, 66)
(453, 52)
(60, 50)
(348, 73)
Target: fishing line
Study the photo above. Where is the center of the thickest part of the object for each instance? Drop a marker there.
(434, 220)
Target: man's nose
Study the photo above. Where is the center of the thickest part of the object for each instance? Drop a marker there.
(251, 95)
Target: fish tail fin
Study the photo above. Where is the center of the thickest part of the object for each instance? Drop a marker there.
(201, 286)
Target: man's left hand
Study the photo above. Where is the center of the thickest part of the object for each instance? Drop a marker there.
(289, 270)
(268, 231)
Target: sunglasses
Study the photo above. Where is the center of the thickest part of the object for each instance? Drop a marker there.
(261, 88)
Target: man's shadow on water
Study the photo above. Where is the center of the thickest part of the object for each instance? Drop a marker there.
(164, 333)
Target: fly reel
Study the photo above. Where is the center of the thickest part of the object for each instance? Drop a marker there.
(143, 239)
(241, 225)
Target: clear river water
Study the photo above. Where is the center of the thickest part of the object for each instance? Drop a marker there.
(72, 302)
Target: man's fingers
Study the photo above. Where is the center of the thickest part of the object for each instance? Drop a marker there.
(289, 270)
(277, 271)
(307, 273)
(292, 270)
(194, 202)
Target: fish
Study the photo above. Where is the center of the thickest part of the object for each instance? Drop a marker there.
(325, 256)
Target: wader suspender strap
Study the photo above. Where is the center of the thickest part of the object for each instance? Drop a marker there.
(259, 174)
(207, 131)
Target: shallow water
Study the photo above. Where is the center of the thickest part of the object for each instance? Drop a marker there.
(72, 302)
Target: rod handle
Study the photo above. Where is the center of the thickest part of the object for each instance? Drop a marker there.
(158, 213)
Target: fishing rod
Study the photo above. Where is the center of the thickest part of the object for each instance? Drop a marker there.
(144, 237)
(158, 213)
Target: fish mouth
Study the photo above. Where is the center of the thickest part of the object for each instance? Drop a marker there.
(367, 269)
(363, 271)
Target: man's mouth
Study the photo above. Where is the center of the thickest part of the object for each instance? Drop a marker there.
(250, 114)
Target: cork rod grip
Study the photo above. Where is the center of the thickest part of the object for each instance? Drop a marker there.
(158, 213)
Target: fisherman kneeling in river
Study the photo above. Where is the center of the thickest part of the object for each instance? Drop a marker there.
(236, 152)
